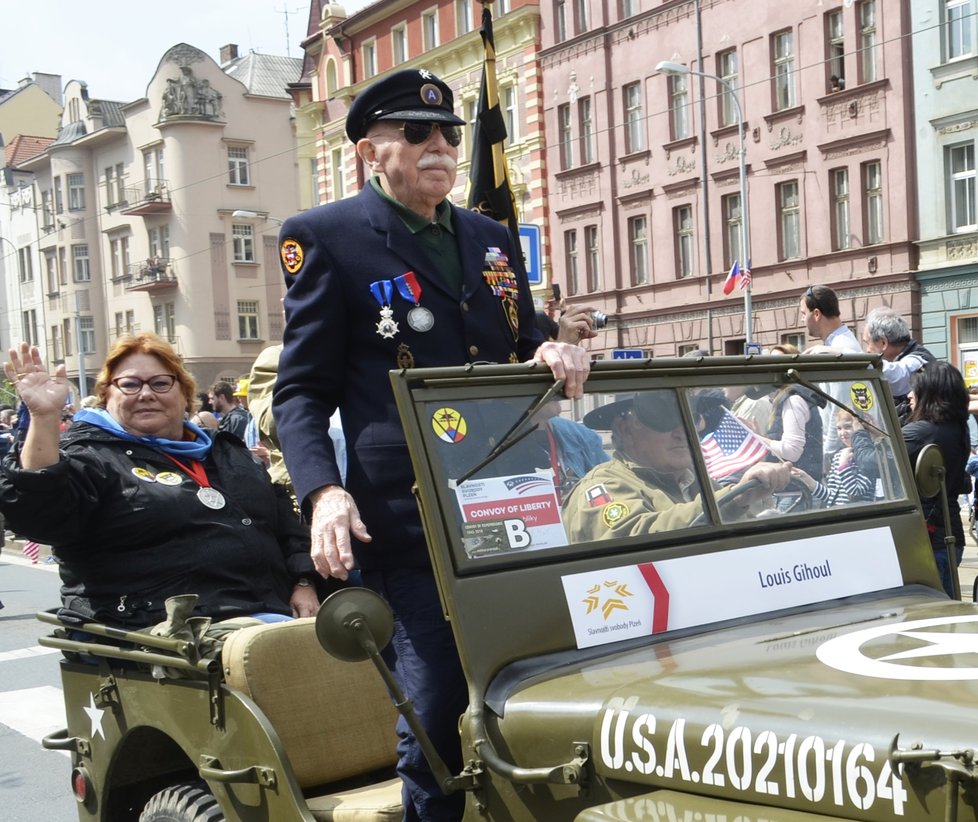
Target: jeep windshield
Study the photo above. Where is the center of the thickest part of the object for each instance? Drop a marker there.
(529, 471)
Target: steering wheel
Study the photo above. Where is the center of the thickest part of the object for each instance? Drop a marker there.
(726, 502)
(803, 502)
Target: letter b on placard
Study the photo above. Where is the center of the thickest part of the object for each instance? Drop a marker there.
(517, 534)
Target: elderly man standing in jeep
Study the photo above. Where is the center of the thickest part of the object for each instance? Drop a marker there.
(886, 333)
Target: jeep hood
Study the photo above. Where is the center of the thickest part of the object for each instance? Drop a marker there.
(799, 711)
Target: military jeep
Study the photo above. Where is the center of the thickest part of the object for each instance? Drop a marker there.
(723, 651)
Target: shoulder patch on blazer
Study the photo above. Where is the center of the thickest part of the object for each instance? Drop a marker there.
(292, 255)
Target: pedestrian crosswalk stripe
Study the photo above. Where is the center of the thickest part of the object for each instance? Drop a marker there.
(33, 712)
(25, 653)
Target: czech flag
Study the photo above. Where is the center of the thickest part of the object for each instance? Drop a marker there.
(737, 277)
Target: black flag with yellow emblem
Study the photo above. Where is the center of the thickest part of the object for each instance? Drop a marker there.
(489, 189)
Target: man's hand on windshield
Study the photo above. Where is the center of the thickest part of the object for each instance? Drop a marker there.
(569, 363)
(334, 517)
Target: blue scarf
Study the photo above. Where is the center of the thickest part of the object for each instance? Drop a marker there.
(196, 450)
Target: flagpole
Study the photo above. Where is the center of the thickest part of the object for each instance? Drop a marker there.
(670, 68)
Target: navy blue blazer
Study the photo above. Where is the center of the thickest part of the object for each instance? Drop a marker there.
(335, 357)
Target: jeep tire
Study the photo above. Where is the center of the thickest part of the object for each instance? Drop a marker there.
(187, 802)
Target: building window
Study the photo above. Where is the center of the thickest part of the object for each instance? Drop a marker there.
(47, 211)
(429, 29)
(731, 229)
(469, 114)
(119, 249)
(463, 16)
(634, 119)
(679, 107)
(153, 170)
(585, 124)
(66, 335)
(83, 272)
(238, 166)
(799, 341)
(159, 242)
(76, 192)
(502, 7)
(51, 269)
(628, 8)
(958, 25)
(86, 330)
(836, 49)
(243, 236)
(63, 265)
(29, 319)
(960, 160)
(565, 135)
(683, 226)
(399, 43)
(872, 175)
(593, 251)
(508, 100)
(248, 320)
(59, 202)
(25, 265)
(784, 70)
(638, 243)
(130, 321)
(368, 51)
(789, 221)
(110, 188)
(583, 22)
(164, 321)
(728, 71)
(57, 352)
(336, 170)
(841, 223)
(573, 278)
(560, 20)
(867, 41)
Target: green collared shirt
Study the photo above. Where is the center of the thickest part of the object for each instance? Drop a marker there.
(437, 238)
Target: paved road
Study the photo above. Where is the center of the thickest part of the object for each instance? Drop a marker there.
(34, 783)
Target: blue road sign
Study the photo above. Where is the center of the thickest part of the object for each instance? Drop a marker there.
(752, 348)
(530, 240)
(627, 354)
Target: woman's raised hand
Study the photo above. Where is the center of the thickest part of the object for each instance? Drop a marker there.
(41, 393)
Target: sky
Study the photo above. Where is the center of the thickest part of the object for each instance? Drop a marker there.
(115, 46)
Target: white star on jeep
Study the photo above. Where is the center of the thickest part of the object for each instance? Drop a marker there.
(941, 644)
(95, 715)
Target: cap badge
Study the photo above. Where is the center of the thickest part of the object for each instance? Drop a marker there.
(431, 94)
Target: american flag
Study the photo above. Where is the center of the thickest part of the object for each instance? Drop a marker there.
(32, 550)
(745, 276)
(732, 447)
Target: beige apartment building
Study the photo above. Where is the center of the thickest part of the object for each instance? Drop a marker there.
(161, 214)
(646, 205)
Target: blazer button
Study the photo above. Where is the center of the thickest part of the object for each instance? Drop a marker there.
(465, 307)
(246, 521)
(474, 350)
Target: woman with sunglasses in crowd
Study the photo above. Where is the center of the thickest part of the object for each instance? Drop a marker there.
(140, 505)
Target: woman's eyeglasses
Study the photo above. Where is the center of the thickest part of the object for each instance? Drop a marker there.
(417, 133)
(159, 384)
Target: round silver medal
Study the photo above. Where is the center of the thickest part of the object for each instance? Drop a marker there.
(420, 319)
(211, 497)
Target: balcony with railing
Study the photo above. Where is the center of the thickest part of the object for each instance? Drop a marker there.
(154, 274)
(153, 197)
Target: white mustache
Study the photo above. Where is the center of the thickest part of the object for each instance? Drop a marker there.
(442, 161)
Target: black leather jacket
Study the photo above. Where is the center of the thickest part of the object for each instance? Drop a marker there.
(126, 541)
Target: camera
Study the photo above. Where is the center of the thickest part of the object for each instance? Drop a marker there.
(598, 320)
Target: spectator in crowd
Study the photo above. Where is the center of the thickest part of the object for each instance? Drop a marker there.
(234, 418)
(886, 333)
(140, 505)
(938, 414)
(843, 482)
(648, 485)
(396, 276)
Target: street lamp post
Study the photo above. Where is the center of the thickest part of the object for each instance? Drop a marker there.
(672, 69)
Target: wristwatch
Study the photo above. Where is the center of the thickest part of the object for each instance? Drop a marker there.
(303, 582)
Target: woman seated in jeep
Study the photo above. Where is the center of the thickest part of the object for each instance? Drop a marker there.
(140, 505)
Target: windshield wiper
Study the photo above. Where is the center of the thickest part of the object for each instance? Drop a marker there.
(794, 376)
(514, 434)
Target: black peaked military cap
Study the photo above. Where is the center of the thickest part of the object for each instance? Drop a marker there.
(413, 94)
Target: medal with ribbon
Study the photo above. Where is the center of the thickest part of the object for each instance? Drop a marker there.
(208, 496)
(419, 318)
(382, 290)
(501, 279)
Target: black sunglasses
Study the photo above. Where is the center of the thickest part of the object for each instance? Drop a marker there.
(417, 133)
